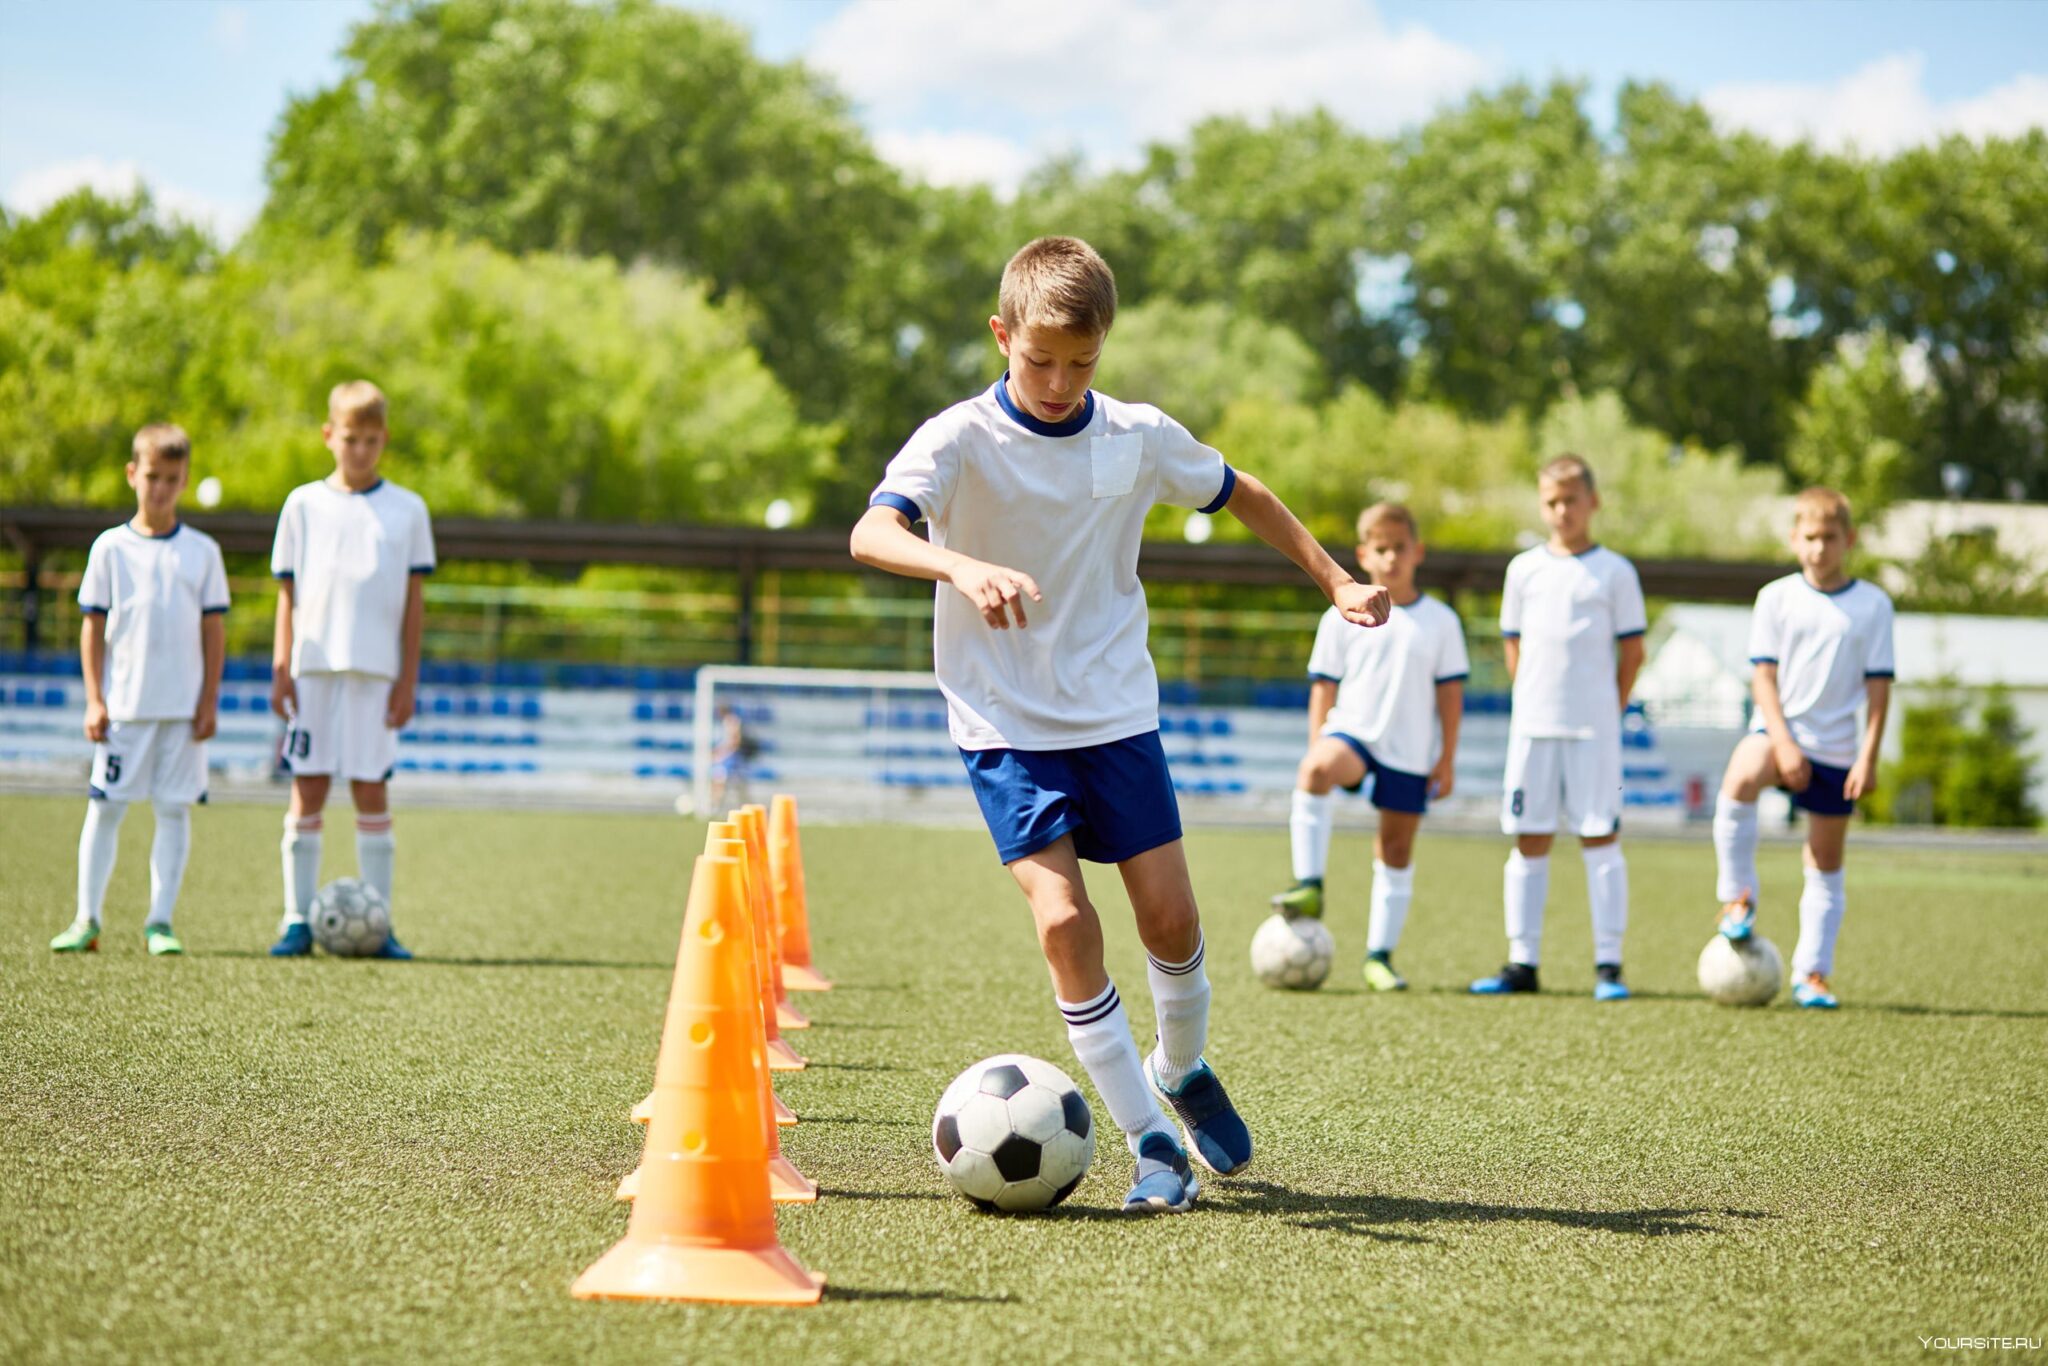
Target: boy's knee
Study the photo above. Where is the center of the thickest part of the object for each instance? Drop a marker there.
(1397, 849)
(1315, 775)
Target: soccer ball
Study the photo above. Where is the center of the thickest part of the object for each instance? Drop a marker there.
(1013, 1133)
(1293, 954)
(1745, 974)
(350, 918)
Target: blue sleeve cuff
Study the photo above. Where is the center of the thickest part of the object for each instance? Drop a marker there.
(422, 569)
(1452, 678)
(1229, 487)
(214, 611)
(282, 574)
(1510, 635)
(1627, 635)
(1878, 673)
(898, 502)
(92, 609)
(1763, 659)
(1323, 678)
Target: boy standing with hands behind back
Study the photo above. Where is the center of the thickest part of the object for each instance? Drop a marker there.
(351, 553)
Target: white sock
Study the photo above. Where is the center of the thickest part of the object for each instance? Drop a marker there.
(1527, 886)
(1392, 890)
(301, 848)
(1308, 828)
(98, 844)
(1180, 1000)
(1607, 889)
(1820, 920)
(376, 851)
(1735, 849)
(1101, 1037)
(167, 855)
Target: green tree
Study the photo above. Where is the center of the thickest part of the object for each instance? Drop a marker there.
(1194, 360)
(1859, 427)
(1949, 773)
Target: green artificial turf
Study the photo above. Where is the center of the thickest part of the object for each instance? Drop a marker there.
(228, 1156)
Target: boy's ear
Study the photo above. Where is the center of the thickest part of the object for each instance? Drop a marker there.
(995, 325)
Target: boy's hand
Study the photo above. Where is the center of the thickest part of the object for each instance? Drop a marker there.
(95, 721)
(206, 720)
(1363, 604)
(1443, 778)
(1793, 769)
(1862, 780)
(284, 696)
(995, 591)
(399, 709)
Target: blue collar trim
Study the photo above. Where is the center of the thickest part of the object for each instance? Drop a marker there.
(1827, 592)
(1073, 426)
(176, 527)
(353, 493)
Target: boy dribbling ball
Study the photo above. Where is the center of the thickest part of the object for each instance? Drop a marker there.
(1820, 645)
(151, 648)
(352, 550)
(1383, 704)
(1036, 492)
(1571, 623)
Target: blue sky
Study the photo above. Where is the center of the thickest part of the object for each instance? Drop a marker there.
(184, 93)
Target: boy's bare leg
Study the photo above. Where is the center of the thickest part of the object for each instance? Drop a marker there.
(1751, 769)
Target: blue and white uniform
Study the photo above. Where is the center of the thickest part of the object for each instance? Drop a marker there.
(351, 557)
(1564, 734)
(154, 592)
(1058, 723)
(1386, 678)
(1826, 646)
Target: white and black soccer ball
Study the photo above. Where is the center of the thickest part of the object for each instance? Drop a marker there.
(1745, 974)
(1293, 954)
(1013, 1133)
(350, 918)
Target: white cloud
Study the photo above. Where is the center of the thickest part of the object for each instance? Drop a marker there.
(1108, 77)
(959, 158)
(33, 191)
(231, 29)
(1878, 109)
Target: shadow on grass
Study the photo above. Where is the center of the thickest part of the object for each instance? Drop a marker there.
(854, 1292)
(1854, 1007)
(848, 1024)
(433, 960)
(858, 1067)
(856, 1119)
(827, 1193)
(1379, 1216)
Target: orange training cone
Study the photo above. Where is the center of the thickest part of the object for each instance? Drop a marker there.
(786, 880)
(781, 1056)
(704, 1225)
(754, 821)
(644, 1111)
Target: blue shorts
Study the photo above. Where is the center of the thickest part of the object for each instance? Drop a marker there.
(1116, 800)
(1392, 790)
(1823, 795)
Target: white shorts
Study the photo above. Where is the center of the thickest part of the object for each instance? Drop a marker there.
(1582, 776)
(339, 731)
(150, 760)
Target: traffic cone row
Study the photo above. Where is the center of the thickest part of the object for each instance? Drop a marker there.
(712, 1170)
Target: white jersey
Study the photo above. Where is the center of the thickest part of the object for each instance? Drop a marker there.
(1066, 504)
(153, 590)
(1568, 611)
(1826, 645)
(1386, 679)
(351, 558)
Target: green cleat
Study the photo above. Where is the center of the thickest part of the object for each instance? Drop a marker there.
(82, 937)
(1303, 899)
(1380, 976)
(161, 940)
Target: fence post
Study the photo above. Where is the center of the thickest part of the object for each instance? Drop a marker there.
(31, 600)
(745, 642)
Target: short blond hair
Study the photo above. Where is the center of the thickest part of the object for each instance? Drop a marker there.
(1379, 514)
(1060, 283)
(1559, 468)
(164, 440)
(1824, 505)
(356, 398)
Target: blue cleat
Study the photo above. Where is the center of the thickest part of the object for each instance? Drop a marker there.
(1738, 919)
(1814, 993)
(295, 942)
(1513, 978)
(394, 950)
(1214, 1131)
(1165, 1182)
(1607, 983)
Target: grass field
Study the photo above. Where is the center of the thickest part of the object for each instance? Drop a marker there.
(224, 1155)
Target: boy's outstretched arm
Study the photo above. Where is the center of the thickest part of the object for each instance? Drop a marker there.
(1862, 779)
(1268, 518)
(882, 539)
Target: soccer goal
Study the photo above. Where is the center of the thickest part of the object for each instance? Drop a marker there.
(870, 741)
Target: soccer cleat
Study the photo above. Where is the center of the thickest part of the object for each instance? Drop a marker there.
(1607, 983)
(295, 942)
(1738, 918)
(1165, 1183)
(1214, 1131)
(1303, 900)
(81, 937)
(1380, 975)
(1814, 993)
(1514, 977)
(393, 950)
(161, 941)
